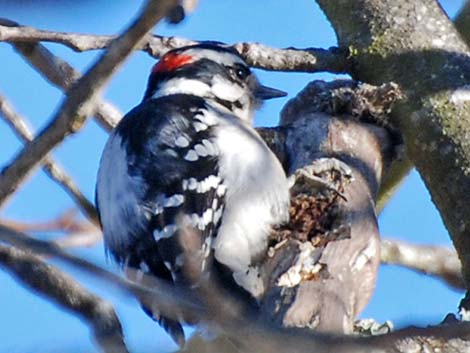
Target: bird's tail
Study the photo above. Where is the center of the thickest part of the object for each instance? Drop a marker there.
(172, 327)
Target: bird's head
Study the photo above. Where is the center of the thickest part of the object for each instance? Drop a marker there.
(212, 72)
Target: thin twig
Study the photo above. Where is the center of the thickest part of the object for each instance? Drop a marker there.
(437, 261)
(169, 299)
(62, 75)
(64, 223)
(81, 98)
(77, 232)
(68, 294)
(21, 128)
(257, 55)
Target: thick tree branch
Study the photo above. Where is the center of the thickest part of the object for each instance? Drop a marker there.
(21, 128)
(256, 55)
(429, 61)
(462, 21)
(323, 264)
(401, 168)
(80, 100)
(68, 294)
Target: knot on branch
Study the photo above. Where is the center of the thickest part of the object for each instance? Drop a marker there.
(314, 203)
(365, 102)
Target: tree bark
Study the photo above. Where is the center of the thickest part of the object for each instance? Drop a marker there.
(415, 45)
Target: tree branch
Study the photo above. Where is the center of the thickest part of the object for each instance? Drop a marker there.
(430, 62)
(256, 55)
(401, 167)
(173, 301)
(170, 300)
(77, 232)
(62, 75)
(322, 265)
(462, 21)
(81, 97)
(21, 128)
(430, 260)
(68, 294)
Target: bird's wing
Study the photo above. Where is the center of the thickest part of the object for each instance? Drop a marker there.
(159, 176)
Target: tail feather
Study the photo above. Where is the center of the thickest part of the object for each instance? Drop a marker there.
(172, 327)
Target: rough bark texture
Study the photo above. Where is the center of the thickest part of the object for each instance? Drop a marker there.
(323, 266)
(328, 287)
(415, 45)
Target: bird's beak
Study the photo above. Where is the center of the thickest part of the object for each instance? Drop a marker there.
(264, 93)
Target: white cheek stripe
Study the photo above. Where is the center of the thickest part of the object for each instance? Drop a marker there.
(182, 86)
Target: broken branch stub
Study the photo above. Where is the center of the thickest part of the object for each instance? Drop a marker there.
(321, 267)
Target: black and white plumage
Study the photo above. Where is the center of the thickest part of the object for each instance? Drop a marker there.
(189, 156)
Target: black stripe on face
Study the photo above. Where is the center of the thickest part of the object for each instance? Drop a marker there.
(229, 104)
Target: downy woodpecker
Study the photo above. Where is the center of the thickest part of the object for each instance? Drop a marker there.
(188, 155)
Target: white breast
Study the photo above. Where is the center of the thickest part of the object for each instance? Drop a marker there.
(257, 198)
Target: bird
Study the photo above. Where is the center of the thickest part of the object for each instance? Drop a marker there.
(188, 155)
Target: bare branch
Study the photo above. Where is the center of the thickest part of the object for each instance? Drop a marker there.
(21, 128)
(257, 55)
(172, 301)
(77, 232)
(431, 260)
(81, 98)
(65, 223)
(62, 75)
(169, 299)
(68, 294)
(179, 13)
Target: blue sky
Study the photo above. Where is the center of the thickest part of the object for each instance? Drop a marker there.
(31, 324)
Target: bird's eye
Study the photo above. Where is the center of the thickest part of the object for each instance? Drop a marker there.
(241, 72)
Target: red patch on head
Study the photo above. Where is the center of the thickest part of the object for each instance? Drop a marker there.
(171, 62)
